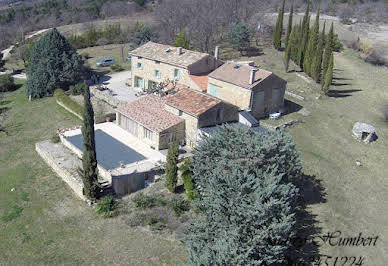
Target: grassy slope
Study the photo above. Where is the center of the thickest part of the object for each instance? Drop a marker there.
(355, 196)
(54, 227)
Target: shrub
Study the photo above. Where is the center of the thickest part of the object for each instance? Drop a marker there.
(178, 205)
(337, 44)
(55, 138)
(116, 67)
(146, 202)
(104, 118)
(376, 58)
(140, 2)
(61, 97)
(188, 183)
(107, 206)
(171, 166)
(77, 89)
(6, 83)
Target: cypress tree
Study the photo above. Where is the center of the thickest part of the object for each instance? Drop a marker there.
(295, 43)
(289, 28)
(311, 47)
(329, 75)
(277, 37)
(246, 198)
(89, 171)
(172, 166)
(305, 36)
(317, 62)
(289, 49)
(328, 50)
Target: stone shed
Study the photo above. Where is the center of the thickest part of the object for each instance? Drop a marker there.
(364, 132)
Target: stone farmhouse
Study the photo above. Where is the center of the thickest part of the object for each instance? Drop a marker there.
(208, 93)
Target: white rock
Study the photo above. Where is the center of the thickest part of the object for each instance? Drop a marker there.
(358, 163)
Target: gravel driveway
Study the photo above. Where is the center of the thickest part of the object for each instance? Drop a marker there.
(116, 83)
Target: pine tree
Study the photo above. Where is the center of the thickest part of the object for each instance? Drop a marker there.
(329, 75)
(328, 50)
(311, 47)
(53, 63)
(289, 28)
(277, 37)
(239, 36)
(182, 40)
(246, 198)
(172, 167)
(89, 171)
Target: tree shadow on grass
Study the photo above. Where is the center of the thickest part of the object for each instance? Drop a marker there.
(305, 250)
(341, 93)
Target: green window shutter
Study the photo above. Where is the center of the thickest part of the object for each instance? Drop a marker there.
(260, 97)
(213, 90)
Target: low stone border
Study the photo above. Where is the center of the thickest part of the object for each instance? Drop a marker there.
(55, 155)
(294, 95)
(283, 125)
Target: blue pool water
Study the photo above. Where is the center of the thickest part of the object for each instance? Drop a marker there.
(110, 151)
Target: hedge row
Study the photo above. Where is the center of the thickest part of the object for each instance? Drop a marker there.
(61, 97)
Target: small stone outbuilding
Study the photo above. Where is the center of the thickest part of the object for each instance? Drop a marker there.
(364, 132)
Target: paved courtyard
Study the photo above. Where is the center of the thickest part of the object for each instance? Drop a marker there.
(116, 83)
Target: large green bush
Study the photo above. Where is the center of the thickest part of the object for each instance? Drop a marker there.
(246, 198)
(61, 97)
(6, 83)
(53, 63)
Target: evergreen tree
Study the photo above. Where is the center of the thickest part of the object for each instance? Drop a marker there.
(172, 166)
(188, 182)
(328, 76)
(317, 62)
(289, 28)
(239, 36)
(295, 42)
(53, 63)
(328, 51)
(246, 198)
(305, 30)
(277, 37)
(182, 40)
(311, 47)
(89, 171)
(290, 48)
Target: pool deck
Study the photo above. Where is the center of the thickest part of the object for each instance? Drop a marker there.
(126, 138)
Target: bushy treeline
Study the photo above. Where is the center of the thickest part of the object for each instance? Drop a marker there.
(113, 33)
(308, 47)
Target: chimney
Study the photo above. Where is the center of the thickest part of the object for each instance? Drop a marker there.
(252, 77)
(179, 50)
(216, 52)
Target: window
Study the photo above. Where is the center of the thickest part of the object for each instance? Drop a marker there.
(172, 137)
(180, 112)
(213, 90)
(157, 62)
(177, 73)
(140, 82)
(157, 74)
(139, 66)
(147, 134)
(275, 95)
(260, 97)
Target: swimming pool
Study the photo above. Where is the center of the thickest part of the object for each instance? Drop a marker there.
(110, 152)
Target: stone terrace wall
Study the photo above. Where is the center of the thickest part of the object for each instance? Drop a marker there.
(105, 96)
(63, 164)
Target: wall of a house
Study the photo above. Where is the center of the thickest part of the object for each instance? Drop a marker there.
(205, 65)
(164, 136)
(270, 104)
(228, 113)
(148, 71)
(191, 124)
(231, 93)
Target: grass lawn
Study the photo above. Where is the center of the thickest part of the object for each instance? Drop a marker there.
(354, 197)
(41, 221)
(108, 51)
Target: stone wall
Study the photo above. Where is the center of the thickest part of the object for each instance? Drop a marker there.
(231, 93)
(106, 96)
(71, 178)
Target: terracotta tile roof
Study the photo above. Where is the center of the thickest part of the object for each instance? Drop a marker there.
(149, 111)
(158, 52)
(191, 101)
(239, 74)
(201, 81)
